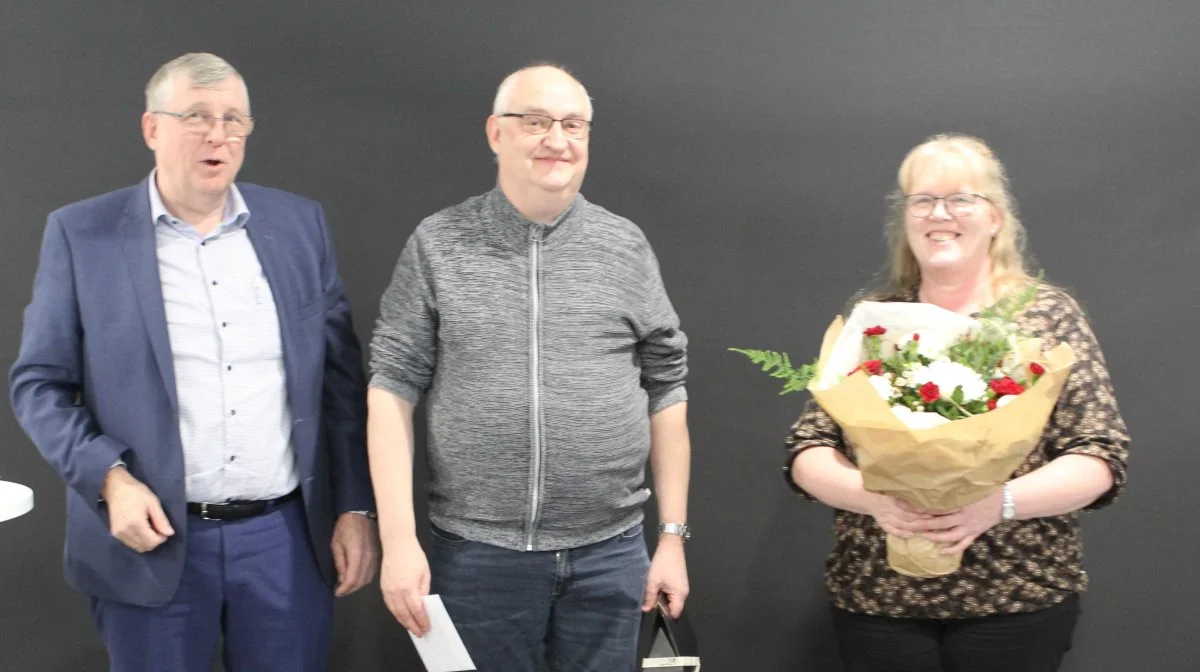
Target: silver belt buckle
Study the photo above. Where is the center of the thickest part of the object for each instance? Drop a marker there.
(204, 511)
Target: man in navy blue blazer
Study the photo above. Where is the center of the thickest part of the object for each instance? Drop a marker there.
(188, 366)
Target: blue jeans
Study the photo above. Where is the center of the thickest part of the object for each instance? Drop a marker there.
(578, 608)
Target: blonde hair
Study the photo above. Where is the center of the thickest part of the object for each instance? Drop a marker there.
(978, 164)
(202, 69)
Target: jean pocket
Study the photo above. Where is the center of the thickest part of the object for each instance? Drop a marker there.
(448, 538)
(632, 533)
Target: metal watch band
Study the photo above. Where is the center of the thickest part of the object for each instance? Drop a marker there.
(1008, 508)
(680, 529)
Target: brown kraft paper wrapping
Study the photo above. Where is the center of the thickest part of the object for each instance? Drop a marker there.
(945, 467)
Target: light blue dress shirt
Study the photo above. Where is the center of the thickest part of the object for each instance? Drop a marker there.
(234, 418)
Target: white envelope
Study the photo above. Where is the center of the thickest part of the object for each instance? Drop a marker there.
(441, 649)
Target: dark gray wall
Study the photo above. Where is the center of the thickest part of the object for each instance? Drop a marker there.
(753, 142)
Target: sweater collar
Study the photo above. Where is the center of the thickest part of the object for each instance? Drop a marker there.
(507, 218)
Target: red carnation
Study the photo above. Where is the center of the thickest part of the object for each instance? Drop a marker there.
(1036, 368)
(1006, 385)
(874, 331)
(873, 367)
(916, 337)
(930, 393)
(991, 404)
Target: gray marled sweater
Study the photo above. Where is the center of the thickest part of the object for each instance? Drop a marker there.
(543, 350)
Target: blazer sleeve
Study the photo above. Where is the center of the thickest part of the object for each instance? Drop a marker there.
(46, 379)
(344, 393)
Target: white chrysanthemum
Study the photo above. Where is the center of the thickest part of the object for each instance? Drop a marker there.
(883, 386)
(1005, 400)
(950, 375)
(918, 419)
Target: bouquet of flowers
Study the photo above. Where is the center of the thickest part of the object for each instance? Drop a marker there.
(941, 408)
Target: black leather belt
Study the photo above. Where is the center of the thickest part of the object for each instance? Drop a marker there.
(238, 510)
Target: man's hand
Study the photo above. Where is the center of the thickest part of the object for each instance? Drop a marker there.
(355, 552)
(668, 576)
(404, 582)
(135, 516)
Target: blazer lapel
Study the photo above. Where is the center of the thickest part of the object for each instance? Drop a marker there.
(141, 255)
(272, 247)
(269, 246)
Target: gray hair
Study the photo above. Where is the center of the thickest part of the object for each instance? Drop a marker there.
(504, 93)
(202, 69)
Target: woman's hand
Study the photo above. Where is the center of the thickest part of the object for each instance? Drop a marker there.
(895, 516)
(961, 527)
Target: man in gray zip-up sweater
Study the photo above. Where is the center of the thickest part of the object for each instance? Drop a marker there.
(539, 328)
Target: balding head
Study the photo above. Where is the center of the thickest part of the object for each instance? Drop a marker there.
(542, 159)
(538, 73)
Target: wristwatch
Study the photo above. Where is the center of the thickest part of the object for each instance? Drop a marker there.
(369, 515)
(1008, 508)
(680, 529)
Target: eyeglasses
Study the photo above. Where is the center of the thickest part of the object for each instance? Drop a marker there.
(197, 121)
(961, 204)
(540, 124)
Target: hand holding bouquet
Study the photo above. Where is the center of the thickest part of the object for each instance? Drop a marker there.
(940, 408)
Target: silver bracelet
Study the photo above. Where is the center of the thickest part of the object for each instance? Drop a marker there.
(1009, 508)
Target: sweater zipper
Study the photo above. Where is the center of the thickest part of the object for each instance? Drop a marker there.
(535, 370)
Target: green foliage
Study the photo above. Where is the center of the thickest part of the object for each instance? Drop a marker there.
(874, 347)
(778, 365)
(1005, 311)
(983, 351)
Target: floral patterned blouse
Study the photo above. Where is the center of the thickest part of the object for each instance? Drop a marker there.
(1017, 566)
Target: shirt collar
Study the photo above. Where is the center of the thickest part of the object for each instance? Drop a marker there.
(236, 212)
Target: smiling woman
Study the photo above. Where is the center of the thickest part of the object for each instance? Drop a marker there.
(956, 242)
(953, 213)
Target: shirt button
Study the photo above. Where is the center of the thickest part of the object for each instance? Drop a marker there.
(233, 412)
(229, 367)
(224, 324)
(214, 283)
(232, 458)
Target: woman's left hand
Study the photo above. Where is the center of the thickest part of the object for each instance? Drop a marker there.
(960, 528)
